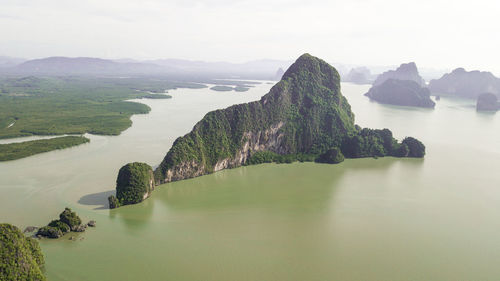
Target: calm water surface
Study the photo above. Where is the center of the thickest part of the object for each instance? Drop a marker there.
(364, 219)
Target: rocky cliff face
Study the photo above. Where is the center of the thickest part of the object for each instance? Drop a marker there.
(407, 71)
(467, 84)
(401, 92)
(303, 113)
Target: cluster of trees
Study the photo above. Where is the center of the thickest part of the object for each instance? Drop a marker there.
(13, 151)
(20, 257)
(68, 221)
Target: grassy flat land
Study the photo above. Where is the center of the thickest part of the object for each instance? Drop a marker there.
(74, 105)
(13, 151)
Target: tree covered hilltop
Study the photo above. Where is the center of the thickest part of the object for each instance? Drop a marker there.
(304, 117)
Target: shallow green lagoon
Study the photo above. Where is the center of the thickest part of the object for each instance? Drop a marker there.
(365, 219)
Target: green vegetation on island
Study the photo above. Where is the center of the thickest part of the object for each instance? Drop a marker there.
(157, 97)
(134, 183)
(237, 88)
(68, 221)
(20, 257)
(220, 88)
(13, 151)
(74, 105)
(241, 89)
(304, 117)
(331, 156)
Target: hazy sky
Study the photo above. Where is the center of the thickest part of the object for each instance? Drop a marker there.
(434, 33)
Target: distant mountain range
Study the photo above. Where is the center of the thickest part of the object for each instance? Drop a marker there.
(259, 69)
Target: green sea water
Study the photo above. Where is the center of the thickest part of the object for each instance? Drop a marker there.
(365, 219)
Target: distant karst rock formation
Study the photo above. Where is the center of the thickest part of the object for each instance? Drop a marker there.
(407, 71)
(358, 75)
(487, 102)
(467, 84)
(279, 74)
(401, 92)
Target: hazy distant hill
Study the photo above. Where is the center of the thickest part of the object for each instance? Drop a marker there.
(176, 68)
(84, 65)
(467, 84)
(10, 61)
(407, 71)
(358, 75)
(258, 69)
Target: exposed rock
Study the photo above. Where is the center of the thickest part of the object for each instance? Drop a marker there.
(401, 92)
(467, 84)
(29, 229)
(487, 102)
(91, 223)
(80, 228)
(407, 71)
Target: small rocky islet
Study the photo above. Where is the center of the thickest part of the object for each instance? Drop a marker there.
(68, 221)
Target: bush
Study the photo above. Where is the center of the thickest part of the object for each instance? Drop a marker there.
(113, 202)
(331, 156)
(50, 232)
(64, 228)
(415, 147)
(20, 256)
(70, 218)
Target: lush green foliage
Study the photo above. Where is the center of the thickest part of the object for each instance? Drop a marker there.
(113, 202)
(68, 221)
(415, 147)
(331, 156)
(134, 183)
(260, 157)
(74, 105)
(70, 218)
(49, 232)
(20, 256)
(241, 89)
(64, 228)
(221, 88)
(19, 150)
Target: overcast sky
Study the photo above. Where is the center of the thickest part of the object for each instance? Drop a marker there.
(433, 33)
